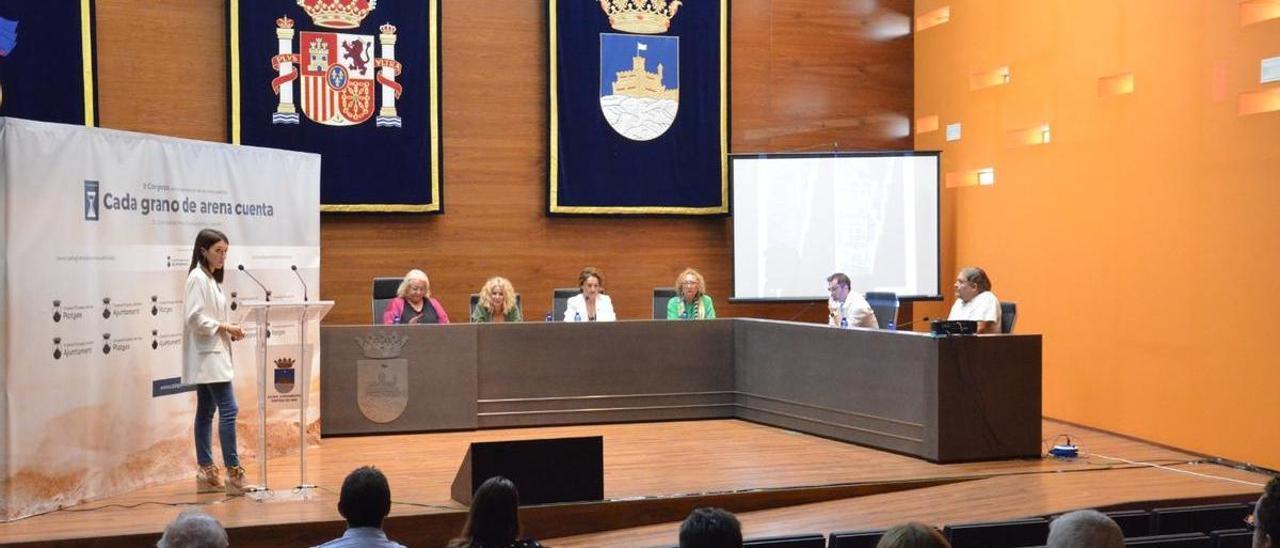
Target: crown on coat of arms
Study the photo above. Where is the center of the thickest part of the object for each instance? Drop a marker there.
(284, 363)
(640, 16)
(338, 14)
(382, 345)
(284, 22)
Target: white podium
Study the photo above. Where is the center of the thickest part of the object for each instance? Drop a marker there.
(261, 313)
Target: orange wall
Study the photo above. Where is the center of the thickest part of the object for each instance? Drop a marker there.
(1142, 239)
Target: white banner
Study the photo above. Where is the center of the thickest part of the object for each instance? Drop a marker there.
(96, 242)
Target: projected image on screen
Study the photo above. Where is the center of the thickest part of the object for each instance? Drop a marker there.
(799, 218)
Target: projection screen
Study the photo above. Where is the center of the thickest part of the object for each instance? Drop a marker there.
(797, 218)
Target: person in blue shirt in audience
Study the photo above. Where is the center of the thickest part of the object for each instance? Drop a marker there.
(365, 501)
(591, 305)
(691, 301)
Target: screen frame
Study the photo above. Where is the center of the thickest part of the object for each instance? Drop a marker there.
(733, 231)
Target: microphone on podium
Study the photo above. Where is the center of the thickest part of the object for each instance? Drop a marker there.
(925, 319)
(265, 291)
(294, 267)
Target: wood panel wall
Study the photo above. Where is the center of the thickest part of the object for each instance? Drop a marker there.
(805, 75)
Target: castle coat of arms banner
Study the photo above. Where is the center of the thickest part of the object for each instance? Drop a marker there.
(356, 81)
(47, 61)
(639, 120)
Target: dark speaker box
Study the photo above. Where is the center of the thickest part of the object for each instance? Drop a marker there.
(544, 471)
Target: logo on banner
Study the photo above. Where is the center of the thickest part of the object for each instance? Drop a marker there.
(340, 72)
(106, 343)
(91, 200)
(639, 72)
(57, 311)
(57, 348)
(382, 380)
(284, 375)
(106, 308)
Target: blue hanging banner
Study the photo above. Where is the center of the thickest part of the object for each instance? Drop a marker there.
(356, 81)
(639, 107)
(47, 69)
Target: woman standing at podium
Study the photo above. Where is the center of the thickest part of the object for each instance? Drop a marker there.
(207, 333)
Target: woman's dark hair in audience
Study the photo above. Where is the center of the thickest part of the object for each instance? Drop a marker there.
(366, 497)
(494, 519)
(913, 535)
(1266, 514)
(710, 528)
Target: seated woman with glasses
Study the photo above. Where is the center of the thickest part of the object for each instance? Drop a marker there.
(414, 303)
(591, 305)
(691, 301)
(497, 303)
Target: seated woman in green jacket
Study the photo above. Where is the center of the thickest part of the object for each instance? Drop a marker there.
(497, 303)
(691, 301)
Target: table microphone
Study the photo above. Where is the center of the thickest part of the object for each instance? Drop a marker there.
(925, 319)
(294, 267)
(266, 291)
(802, 311)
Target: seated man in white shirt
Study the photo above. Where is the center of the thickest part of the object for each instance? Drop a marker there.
(846, 305)
(975, 301)
(365, 500)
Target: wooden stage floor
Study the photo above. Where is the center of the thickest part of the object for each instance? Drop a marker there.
(779, 482)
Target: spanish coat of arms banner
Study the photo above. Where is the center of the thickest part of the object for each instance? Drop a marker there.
(47, 67)
(356, 81)
(639, 120)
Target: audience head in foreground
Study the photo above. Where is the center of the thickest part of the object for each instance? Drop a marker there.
(691, 301)
(494, 518)
(1084, 529)
(913, 535)
(975, 301)
(193, 529)
(365, 501)
(1266, 516)
(710, 528)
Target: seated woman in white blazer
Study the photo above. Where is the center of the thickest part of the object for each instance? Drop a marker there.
(591, 305)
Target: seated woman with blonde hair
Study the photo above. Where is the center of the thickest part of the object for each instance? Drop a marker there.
(414, 303)
(497, 303)
(591, 305)
(691, 301)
